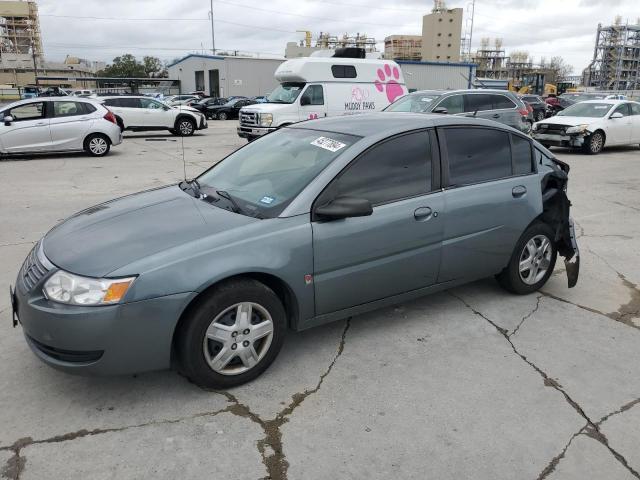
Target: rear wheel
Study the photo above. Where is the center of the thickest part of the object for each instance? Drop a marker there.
(222, 116)
(594, 143)
(532, 261)
(97, 145)
(232, 335)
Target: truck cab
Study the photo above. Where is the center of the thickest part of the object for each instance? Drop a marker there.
(317, 87)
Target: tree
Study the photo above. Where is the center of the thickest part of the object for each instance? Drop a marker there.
(153, 67)
(559, 68)
(124, 66)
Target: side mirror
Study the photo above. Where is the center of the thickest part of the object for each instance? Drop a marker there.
(304, 100)
(344, 207)
(616, 115)
(7, 120)
(442, 110)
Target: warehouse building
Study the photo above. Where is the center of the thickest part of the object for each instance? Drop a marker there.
(437, 75)
(224, 76)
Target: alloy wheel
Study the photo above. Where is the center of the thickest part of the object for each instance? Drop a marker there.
(238, 338)
(98, 145)
(186, 127)
(596, 142)
(222, 116)
(535, 259)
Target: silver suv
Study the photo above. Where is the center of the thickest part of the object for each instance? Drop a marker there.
(497, 105)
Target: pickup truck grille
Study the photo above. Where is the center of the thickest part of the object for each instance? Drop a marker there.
(248, 118)
(33, 269)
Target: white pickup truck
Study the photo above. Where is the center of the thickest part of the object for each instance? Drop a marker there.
(316, 87)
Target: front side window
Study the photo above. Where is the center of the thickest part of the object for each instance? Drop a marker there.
(314, 94)
(392, 170)
(477, 155)
(453, 104)
(635, 108)
(67, 109)
(623, 109)
(286, 93)
(521, 153)
(415, 102)
(264, 176)
(29, 111)
(151, 104)
(129, 102)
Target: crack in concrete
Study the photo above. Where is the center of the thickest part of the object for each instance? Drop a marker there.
(591, 429)
(270, 447)
(15, 465)
(535, 309)
(622, 409)
(549, 469)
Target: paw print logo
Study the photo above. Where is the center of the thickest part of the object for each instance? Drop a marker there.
(388, 82)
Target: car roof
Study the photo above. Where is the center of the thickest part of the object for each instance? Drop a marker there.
(26, 101)
(384, 124)
(610, 101)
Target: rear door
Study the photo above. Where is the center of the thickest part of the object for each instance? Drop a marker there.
(397, 248)
(620, 130)
(492, 194)
(29, 130)
(69, 123)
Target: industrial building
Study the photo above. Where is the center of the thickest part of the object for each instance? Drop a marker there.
(327, 41)
(224, 76)
(616, 58)
(403, 47)
(437, 75)
(441, 33)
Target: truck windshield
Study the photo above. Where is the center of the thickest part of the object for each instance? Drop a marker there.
(264, 176)
(286, 93)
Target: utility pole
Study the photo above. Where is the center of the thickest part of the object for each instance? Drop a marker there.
(473, 12)
(213, 38)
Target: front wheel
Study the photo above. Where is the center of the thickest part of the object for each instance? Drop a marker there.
(232, 335)
(532, 261)
(594, 143)
(539, 116)
(186, 127)
(97, 145)
(222, 116)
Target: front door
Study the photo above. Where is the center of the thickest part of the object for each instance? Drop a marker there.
(620, 130)
(312, 103)
(492, 194)
(29, 130)
(155, 114)
(392, 251)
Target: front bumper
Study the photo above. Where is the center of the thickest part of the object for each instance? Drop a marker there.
(203, 123)
(560, 140)
(105, 340)
(245, 131)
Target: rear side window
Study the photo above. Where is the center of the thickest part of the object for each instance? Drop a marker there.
(478, 102)
(128, 102)
(88, 108)
(343, 71)
(477, 155)
(67, 109)
(112, 102)
(521, 153)
(392, 170)
(500, 101)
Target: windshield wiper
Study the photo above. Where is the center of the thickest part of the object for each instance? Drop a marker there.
(236, 207)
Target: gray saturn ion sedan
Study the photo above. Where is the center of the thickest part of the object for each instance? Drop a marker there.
(314, 222)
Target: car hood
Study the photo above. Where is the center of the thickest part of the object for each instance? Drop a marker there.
(560, 120)
(267, 107)
(185, 107)
(105, 237)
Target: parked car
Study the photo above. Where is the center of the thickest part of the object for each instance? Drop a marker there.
(538, 104)
(229, 110)
(498, 105)
(179, 99)
(55, 92)
(141, 113)
(83, 93)
(30, 91)
(260, 99)
(591, 125)
(48, 125)
(202, 105)
(313, 223)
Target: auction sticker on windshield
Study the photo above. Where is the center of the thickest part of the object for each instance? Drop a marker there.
(328, 144)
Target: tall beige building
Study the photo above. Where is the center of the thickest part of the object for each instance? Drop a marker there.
(441, 35)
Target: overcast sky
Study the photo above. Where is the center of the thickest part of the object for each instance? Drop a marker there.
(170, 28)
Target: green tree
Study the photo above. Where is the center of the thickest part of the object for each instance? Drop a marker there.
(124, 66)
(153, 67)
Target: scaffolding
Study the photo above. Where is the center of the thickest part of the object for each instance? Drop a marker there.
(616, 57)
(20, 29)
(328, 41)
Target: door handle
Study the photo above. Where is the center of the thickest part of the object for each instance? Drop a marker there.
(41, 124)
(518, 191)
(496, 115)
(423, 214)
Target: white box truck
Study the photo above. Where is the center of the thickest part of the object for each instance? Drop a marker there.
(317, 86)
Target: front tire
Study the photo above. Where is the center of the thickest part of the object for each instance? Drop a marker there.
(231, 335)
(222, 116)
(532, 261)
(539, 116)
(594, 143)
(97, 145)
(185, 127)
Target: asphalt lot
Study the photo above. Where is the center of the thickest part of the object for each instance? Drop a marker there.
(470, 383)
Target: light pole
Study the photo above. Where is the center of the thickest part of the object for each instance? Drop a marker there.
(213, 38)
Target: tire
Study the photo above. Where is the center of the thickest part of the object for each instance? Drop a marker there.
(185, 126)
(529, 280)
(213, 116)
(202, 359)
(539, 116)
(222, 116)
(594, 143)
(97, 145)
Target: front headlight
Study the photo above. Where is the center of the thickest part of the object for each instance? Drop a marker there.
(266, 119)
(73, 289)
(578, 128)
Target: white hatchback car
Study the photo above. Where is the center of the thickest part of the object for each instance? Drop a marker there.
(140, 113)
(58, 124)
(590, 125)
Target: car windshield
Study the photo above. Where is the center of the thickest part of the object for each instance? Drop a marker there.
(593, 110)
(286, 93)
(264, 176)
(414, 102)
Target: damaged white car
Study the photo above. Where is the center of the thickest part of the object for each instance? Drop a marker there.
(591, 125)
